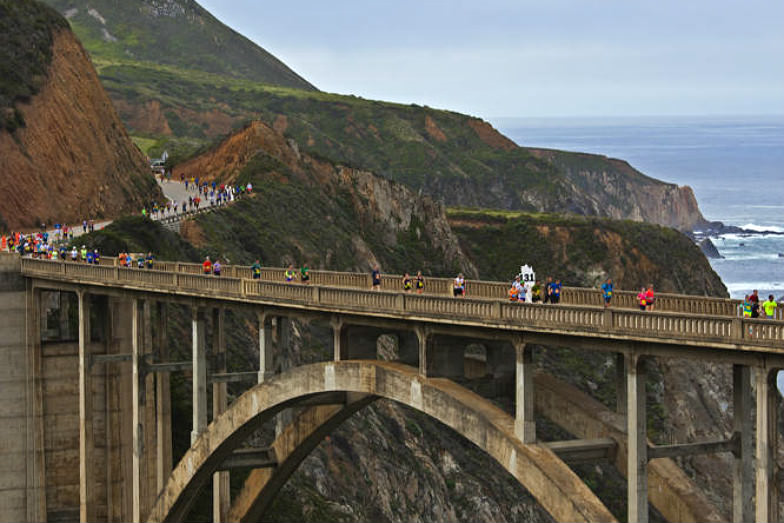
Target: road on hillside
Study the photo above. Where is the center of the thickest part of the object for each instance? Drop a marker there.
(173, 191)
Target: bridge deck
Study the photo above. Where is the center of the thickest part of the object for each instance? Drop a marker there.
(674, 328)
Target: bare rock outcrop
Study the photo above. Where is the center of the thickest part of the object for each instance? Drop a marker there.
(73, 159)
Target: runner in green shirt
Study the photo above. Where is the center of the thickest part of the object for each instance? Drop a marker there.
(770, 307)
(256, 269)
(304, 274)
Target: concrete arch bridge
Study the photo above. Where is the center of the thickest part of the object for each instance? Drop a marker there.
(118, 357)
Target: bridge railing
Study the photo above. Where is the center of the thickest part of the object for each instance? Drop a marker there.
(580, 317)
(476, 289)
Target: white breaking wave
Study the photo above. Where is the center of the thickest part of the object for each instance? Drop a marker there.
(762, 228)
(748, 286)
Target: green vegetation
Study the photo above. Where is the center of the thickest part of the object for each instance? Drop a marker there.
(26, 34)
(180, 33)
(136, 234)
(583, 251)
(293, 223)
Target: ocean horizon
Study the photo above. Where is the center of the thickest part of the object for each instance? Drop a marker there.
(734, 164)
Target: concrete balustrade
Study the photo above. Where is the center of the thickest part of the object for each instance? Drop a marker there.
(348, 291)
(624, 299)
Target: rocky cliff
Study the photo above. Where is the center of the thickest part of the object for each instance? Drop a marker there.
(584, 251)
(601, 186)
(307, 209)
(72, 158)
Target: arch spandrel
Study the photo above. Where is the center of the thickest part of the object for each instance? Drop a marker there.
(558, 490)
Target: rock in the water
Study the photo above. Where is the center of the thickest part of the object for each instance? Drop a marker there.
(709, 249)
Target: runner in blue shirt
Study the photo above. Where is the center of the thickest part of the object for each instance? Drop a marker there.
(607, 291)
(556, 297)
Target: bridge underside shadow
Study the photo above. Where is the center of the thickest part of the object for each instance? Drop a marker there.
(558, 490)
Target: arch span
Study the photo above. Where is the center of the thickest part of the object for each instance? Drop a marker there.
(560, 492)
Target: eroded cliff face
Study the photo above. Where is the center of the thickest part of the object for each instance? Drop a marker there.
(601, 186)
(377, 220)
(73, 159)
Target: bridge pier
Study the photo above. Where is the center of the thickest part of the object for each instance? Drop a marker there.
(525, 423)
(199, 354)
(163, 432)
(742, 487)
(87, 501)
(265, 347)
(637, 441)
(767, 440)
(221, 497)
(137, 411)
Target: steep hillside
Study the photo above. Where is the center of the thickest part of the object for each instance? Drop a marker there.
(584, 251)
(178, 33)
(306, 209)
(165, 91)
(69, 157)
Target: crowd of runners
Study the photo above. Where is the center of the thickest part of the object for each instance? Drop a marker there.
(55, 246)
(752, 307)
(204, 195)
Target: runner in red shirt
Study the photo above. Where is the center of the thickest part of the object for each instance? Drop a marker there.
(207, 266)
(649, 298)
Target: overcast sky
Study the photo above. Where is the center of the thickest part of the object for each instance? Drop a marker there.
(495, 58)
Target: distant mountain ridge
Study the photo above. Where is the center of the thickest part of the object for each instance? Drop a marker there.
(179, 33)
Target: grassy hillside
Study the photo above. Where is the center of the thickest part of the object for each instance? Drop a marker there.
(584, 251)
(174, 32)
(26, 35)
(180, 80)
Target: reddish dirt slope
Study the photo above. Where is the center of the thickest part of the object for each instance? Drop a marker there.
(73, 159)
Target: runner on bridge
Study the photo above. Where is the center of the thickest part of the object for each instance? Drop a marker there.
(207, 266)
(459, 286)
(607, 291)
(256, 270)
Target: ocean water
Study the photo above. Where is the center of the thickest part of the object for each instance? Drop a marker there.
(734, 164)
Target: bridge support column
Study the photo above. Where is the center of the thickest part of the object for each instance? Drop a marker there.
(199, 373)
(87, 499)
(137, 411)
(221, 497)
(742, 490)
(339, 341)
(163, 460)
(265, 348)
(767, 437)
(525, 424)
(637, 441)
(423, 337)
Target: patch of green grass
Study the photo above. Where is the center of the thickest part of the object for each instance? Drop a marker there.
(27, 30)
(145, 144)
